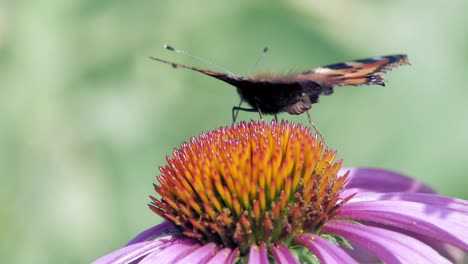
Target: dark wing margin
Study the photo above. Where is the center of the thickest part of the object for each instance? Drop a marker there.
(357, 72)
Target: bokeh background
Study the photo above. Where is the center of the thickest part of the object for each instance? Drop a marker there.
(86, 118)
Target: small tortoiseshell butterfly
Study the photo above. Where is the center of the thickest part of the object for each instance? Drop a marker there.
(295, 93)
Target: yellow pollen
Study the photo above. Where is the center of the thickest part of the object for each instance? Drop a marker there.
(250, 183)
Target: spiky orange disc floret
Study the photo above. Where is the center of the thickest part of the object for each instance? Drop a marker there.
(249, 183)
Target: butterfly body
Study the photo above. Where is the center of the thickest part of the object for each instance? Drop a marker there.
(295, 93)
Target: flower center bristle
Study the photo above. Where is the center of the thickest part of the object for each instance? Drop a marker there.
(249, 183)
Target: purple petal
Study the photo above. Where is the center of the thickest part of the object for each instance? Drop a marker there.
(389, 246)
(169, 254)
(428, 199)
(233, 256)
(282, 254)
(163, 228)
(129, 253)
(258, 254)
(221, 257)
(452, 253)
(378, 180)
(325, 251)
(439, 222)
(136, 251)
(201, 255)
(360, 254)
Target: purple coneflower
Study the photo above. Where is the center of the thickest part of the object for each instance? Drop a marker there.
(265, 193)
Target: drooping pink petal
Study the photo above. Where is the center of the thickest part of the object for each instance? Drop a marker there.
(427, 199)
(128, 253)
(164, 227)
(389, 246)
(450, 252)
(221, 256)
(258, 254)
(383, 181)
(325, 251)
(360, 254)
(201, 255)
(282, 254)
(169, 254)
(136, 251)
(438, 222)
(233, 256)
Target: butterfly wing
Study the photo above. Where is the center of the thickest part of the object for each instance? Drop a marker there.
(296, 93)
(358, 72)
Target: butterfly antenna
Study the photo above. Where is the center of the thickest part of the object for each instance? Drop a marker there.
(168, 47)
(260, 58)
(316, 129)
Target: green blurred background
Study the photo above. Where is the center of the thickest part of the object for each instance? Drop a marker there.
(86, 118)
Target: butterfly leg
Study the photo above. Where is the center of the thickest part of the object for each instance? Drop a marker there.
(316, 129)
(259, 111)
(276, 118)
(237, 109)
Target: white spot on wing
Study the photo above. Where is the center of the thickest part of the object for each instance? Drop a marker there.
(322, 70)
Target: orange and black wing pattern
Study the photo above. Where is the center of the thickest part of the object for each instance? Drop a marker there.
(357, 72)
(295, 93)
